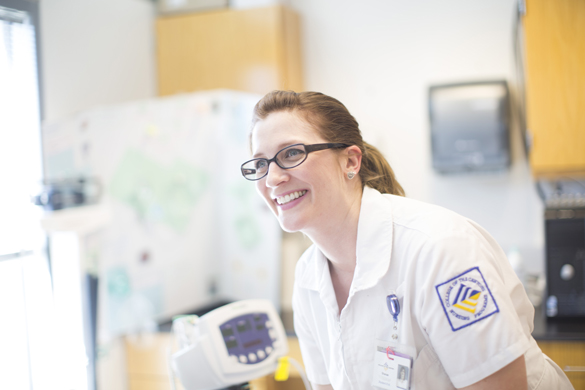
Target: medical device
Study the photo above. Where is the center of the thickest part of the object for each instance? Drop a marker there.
(565, 262)
(230, 345)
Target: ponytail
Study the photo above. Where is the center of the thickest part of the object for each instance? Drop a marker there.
(376, 172)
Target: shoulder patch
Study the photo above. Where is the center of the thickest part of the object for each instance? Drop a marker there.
(466, 299)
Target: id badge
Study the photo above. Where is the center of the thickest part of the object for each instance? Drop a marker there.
(392, 366)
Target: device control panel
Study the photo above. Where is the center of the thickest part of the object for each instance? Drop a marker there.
(249, 338)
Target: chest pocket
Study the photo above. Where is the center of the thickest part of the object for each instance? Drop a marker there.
(428, 372)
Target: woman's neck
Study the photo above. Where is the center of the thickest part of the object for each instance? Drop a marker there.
(337, 237)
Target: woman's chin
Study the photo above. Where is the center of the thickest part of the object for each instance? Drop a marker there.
(288, 229)
(289, 226)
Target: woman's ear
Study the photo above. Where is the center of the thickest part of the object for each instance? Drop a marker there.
(352, 159)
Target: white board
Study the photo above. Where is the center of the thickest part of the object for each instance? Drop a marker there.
(187, 229)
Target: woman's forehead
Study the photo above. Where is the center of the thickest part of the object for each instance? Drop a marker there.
(281, 129)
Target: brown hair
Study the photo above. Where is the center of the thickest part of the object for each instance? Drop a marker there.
(335, 124)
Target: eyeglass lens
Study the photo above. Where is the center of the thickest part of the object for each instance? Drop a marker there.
(286, 158)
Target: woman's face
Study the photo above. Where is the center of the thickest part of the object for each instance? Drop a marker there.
(314, 185)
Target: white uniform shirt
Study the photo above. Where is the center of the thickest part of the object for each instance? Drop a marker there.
(432, 259)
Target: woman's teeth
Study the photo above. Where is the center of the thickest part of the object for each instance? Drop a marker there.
(292, 196)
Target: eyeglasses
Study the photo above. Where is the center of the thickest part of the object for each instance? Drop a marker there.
(287, 158)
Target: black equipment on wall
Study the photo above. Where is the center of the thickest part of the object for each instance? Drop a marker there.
(470, 126)
(565, 262)
(66, 193)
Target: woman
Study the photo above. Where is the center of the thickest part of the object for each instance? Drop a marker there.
(388, 278)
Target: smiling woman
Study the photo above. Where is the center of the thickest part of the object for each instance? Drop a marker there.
(459, 315)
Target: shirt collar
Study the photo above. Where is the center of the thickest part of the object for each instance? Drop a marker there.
(374, 239)
(373, 249)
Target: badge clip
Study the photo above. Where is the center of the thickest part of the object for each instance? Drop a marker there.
(393, 306)
(394, 309)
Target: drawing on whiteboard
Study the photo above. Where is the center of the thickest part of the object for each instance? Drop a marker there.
(247, 231)
(131, 311)
(118, 283)
(152, 131)
(158, 193)
(245, 221)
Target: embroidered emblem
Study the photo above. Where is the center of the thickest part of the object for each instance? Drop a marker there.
(466, 299)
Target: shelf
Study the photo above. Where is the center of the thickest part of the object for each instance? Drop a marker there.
(82, 219)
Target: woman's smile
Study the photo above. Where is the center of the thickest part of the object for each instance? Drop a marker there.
(285, 199)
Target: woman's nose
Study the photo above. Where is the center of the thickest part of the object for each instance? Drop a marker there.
(276, 175)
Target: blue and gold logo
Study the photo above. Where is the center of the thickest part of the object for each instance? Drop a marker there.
(466, 299)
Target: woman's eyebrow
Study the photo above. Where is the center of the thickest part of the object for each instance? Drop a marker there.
(279, 147)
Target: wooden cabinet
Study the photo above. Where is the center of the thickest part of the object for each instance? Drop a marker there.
(254, 50)
(146, 362)
(294, 381)
(554, 34)
(570, 356)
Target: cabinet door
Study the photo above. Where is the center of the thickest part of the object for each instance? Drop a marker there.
(146, 362)
(570, 356)
(555, 85)
(255, 50)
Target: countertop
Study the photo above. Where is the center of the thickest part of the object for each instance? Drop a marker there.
(557, 329)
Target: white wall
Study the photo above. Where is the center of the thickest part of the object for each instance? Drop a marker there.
(379, 57)
(95, 52)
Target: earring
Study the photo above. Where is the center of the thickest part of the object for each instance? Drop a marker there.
(350, 175)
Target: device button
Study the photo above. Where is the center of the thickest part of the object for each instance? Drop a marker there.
(261, 354)
(252, 357)
(233, 358)
(268, 350)
(269, 324)
(243, 359)
(272, 334)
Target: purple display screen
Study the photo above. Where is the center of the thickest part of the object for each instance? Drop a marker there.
(247, 337)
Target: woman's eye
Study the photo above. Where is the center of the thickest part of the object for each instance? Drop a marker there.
(293, 153)
(260, 164)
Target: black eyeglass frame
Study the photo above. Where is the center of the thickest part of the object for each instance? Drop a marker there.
(308, 149)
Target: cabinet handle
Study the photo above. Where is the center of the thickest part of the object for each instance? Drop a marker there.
(574, 368)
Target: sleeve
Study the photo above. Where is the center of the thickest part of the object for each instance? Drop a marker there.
(466, 308)
(312, 355)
